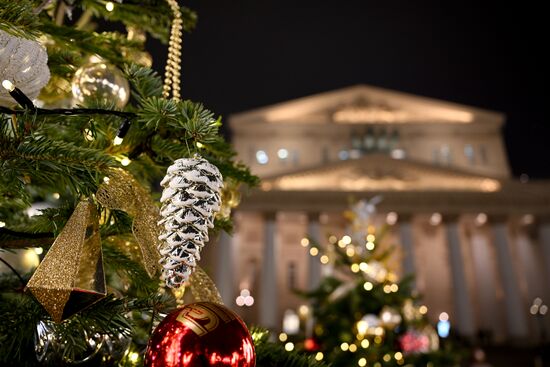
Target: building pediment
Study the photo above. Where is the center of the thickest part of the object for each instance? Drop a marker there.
(364, 104)
(380, 173)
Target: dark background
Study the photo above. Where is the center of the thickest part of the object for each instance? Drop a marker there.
(250, 53)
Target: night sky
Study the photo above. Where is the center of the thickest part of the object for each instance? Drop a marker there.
(251, 53)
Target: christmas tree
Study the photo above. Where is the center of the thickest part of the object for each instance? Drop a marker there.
(111, 185)
(362, 313)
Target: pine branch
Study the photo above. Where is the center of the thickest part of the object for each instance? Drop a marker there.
(106, 44)
(18, 19)
(55, 164)
(273, 355)
(153, 17)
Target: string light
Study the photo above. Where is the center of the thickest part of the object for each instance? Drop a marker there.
(324, 259)
(289, 347)
(319, 356)
(109, 6)
(125, 161)
(368, 286)
(353, 348)
(362, 362)
(344, 346)
(314, 251)
(18, 95)
(304, 242)
(365, 343)
(283, 337)
(122, 131)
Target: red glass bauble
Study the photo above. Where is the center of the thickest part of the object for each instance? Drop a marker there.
(201, 334)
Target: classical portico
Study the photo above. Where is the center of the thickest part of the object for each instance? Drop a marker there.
(477, 240)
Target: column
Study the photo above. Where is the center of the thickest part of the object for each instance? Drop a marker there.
(225, 269)
(544, 238)
(406, 238)
(486, 284)
(515, 315)
(268, 291)
(314, 265)
(462, 303)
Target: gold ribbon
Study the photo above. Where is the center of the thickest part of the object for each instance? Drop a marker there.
(121, 191)
(203, 288)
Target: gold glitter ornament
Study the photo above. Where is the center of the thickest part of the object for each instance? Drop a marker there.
(123, 192)
(71, 276)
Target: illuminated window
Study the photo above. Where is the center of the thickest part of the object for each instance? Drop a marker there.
(261, 157)
(343, 155)
(282, 154)
(469, 153)
(446, 155)
(369, 141)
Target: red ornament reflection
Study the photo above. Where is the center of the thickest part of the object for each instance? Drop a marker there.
(201, 335)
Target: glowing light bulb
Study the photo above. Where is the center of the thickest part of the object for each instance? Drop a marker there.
(125, 161)
(117, 140)
(109, 6)
(8, 85)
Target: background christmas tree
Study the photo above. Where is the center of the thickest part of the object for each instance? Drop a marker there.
(87, 132)
(363, 314)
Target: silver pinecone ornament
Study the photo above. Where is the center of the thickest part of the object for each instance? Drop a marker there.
(190, 198)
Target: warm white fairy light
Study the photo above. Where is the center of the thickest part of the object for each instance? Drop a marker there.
(125, 161)
(109, 6)
(117, 140)
(8, 85)
(314, 251)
